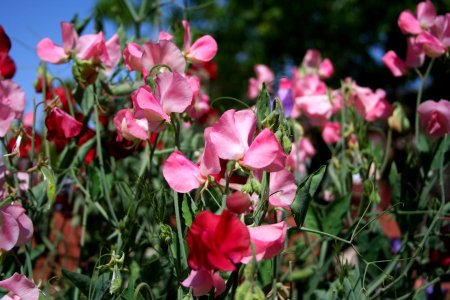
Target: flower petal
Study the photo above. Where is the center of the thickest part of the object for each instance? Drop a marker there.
(49, 52)
(181, 174)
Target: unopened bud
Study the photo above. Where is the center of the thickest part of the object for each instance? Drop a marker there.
(398, 121)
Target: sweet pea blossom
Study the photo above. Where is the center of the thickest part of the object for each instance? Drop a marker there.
(232, 136)
(312, 62)
(300, 155)
(12, 104)
(331, 132)
(435, 117)
(415, 57)
(61, 126)
(20, 287)
(183, 176)
(268, 241)
(16, 227)
(217, 242)
(263, 75)
(129, 127)
(424, 19)
(371, 105)
(173, 94)
(202, 281)
(7, 65)
(202, 50)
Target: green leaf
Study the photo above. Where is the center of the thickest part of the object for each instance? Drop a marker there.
(262, 106)
(442, 150)
(82, 282)
(50, 179)
(333, 220)
(305, 193)
(101, 287)
(186, 211)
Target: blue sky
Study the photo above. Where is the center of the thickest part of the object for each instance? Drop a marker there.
(27, 22)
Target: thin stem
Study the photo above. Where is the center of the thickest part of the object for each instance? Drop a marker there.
(386, 151)
(419, 98)
(324, 234)
(179, 230)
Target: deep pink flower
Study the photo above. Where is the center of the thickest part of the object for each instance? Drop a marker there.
(129, 127)
(232, 136)
(239, 202)
(435, 117)
(331, 132)
(200, 102)
(61, 126)
(16, 227)
(12, 104)
(263, 75)
(415, 57)
(202, 281)
(371, 105)
(424, 19)
(20, 287)
(268, 241)
(203, 50)
(173, 94)
(217, 242)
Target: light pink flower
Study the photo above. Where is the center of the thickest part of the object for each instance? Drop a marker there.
(313, 63)
(203, 50)
(202, 281)
(331, 132)
(163, 52)
(371, 105)
(300, 155)
(268, 241)
(318, 108)
(263, 75)
(200, 101)
(12, 104)
(424, 19)
(132, 56)
(183, 175)
(436, 41)
(129, 127)
(172, 94)
(20, 287)
(16, 227)
(282, 189)
(232, 136)
(435, 117)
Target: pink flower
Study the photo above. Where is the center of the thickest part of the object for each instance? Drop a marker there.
(282, 189)
(437, 41)
(426, 13)
(16, 227)
(313, 63)
(183, 176)
(203, 50)
(300, 155)
(415, 57)
(173, 94)
(163, 52)
(232, 136)
(90, 47)
(12, 104)
(129, 127)
(268, 241)
(20, 287)
(202, 281)
(217, 242)
(200, 102)
(318, 108)
(435, 117)
(371, 106)
(263, 75)
(331, 132)
(132, 56)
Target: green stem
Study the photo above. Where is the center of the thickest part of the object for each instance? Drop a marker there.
(386, 151)
(179, 230)
(419, 98)
(324, 234)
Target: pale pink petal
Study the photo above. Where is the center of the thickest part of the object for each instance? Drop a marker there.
(282, 188)
(165, 36)
(203, 50)
(312, 59)
(245, 121)
(264, 74)
(6, 119)
(226, 137)
(113, 54)
(69, 36)
(426, 13)
(415, 56)
(91, 47)
(408, 23)
(128, 127)
(326, 69)
(181, 174)
(209, 162)
(432, 46)
(49, 52)
(173, 91)
(145, 104)
(21, 286)
(265, 153)
(132, 56)
(253, 88)
(9, 231)
(435, 117)
(268, 241)
(164, 52)
(200, 281)
(187, 36)
(394, 63)
(331, 132)
(25, 225)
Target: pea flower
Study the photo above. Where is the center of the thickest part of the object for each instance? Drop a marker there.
(435, 117)
(12, 104)
(20, 287)
(16, 228)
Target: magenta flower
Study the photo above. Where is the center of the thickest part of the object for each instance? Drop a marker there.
(16, 227)
(424, 19)
(415, 57)
(435, 117)
(203, 50)
(12, 104)
(232, 136)
(268, 241)
(129, 127)
(172, 94)
(20, 287)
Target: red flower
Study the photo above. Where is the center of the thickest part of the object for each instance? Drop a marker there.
(5, 42)
(61, 126)
(7, 67)
(25, 147)
(217, 242)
